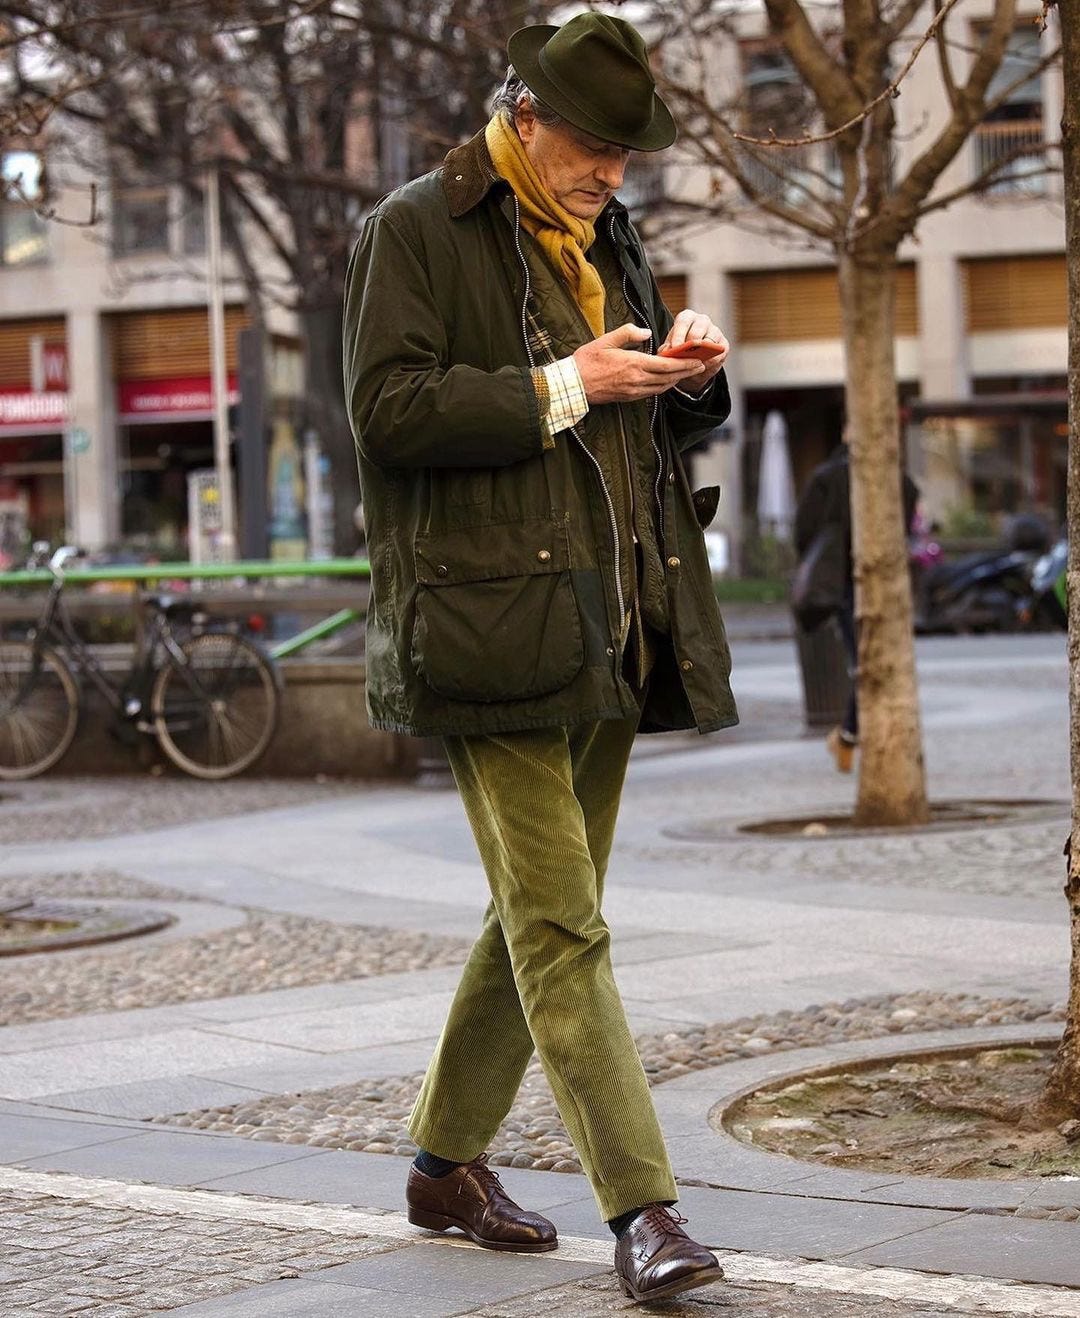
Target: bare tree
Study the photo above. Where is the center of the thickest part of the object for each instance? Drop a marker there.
(848, 63)
(311, 110)
(1064, 1087)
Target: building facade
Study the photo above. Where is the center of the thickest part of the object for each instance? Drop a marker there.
(981, 306)
(105, 407)
(105, 375)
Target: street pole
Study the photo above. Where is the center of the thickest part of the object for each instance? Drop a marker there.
(219, 381)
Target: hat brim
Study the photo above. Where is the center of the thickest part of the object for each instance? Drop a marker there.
(524, 49)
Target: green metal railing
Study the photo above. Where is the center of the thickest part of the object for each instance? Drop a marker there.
(328, 567)
(145, 573)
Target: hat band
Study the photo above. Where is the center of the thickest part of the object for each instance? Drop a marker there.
(637, 126)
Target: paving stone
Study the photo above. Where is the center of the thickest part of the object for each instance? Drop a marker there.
(30, 1137)
(471, 1277)
(169, 1159)
(1009, 1247)
(779, 1224)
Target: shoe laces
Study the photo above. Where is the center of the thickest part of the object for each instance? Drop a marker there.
(662, 1218)
(480, 1168)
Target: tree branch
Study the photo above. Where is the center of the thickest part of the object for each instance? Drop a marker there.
(892, 90)
(832, 87)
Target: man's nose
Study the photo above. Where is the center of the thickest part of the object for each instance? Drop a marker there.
(610, 172)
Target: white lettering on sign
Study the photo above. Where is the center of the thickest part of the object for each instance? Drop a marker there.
(18, 409)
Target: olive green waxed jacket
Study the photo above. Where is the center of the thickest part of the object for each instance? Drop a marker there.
(497, 598)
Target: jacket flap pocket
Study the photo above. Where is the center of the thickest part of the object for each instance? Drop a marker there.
(706, 502)
(486, 553)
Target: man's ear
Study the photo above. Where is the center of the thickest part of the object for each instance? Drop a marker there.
(525, 120)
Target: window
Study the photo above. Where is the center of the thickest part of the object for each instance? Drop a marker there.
(193, 221)
(140, 220)
(23, 232)
(776, 101)
(1011, 137)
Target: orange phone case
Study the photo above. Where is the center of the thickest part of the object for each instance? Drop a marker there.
(700, 349)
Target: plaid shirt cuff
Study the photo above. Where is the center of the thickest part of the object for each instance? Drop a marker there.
(561, 396)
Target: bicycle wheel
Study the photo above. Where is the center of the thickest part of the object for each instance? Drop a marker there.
(39, 709)
(214, 714)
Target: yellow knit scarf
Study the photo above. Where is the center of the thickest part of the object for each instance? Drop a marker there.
(564, 238)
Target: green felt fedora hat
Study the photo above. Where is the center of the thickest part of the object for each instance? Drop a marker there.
(594, 72)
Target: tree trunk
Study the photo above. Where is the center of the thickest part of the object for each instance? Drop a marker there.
(892, 779)
(1065, 1080)
(320, 329)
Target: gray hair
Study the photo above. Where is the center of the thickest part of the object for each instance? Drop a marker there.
(508, 98)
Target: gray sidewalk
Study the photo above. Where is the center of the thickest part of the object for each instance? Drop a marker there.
(731, 951)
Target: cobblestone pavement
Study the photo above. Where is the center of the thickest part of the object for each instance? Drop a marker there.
(371, 1116)
(88, 883)
(61, 1256)
(100, 1248)
(1021, 860)
(268, 951)
(57, 808)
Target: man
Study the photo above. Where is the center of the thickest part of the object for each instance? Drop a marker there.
(540, 590)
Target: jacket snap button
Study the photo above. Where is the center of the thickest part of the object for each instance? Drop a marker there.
(671, 478)
(611, 649)
(686, 665)
(441, 570)
(673, 562)
(544, 555)
(458, 178)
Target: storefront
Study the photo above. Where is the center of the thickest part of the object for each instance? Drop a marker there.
(998, 453)
(33, 416)
(164, 410)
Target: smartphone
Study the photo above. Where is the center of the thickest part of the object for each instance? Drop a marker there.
(699, 349)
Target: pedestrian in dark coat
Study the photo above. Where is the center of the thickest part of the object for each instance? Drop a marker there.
(540, 592)
(826, 503)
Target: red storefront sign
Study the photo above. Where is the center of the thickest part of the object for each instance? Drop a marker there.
(186, 397)
(48, 365)
(25, 410)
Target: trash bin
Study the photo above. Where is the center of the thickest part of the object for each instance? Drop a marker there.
(825, 677)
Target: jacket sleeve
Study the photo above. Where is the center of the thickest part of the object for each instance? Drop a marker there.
(811, 513)
(691, 419)
(409, 406)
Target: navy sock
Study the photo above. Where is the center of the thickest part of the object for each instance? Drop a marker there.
(430, 1165)
(619, 1224)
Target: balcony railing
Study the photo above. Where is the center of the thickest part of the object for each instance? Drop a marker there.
(1018, 148)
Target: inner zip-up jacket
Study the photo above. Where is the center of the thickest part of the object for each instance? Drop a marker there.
(498, 600)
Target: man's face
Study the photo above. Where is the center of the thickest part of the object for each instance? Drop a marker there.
(580, 172)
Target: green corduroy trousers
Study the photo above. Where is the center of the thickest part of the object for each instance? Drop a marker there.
(542, 806)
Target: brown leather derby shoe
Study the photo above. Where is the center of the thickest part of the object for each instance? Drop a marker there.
(472, 1198)
(655, 1258)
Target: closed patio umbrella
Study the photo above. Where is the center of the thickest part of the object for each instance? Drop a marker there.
(776, 485)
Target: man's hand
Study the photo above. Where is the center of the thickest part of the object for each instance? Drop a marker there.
(612, 372)
(696, 325)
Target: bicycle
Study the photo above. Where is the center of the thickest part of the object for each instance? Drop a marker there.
(210, 696)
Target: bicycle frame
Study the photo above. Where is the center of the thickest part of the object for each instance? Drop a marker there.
(55, 628)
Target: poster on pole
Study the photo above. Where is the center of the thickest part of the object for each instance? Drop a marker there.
(205, 522)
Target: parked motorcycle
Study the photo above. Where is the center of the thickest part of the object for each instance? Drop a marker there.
(982, 592)
(1045, 608)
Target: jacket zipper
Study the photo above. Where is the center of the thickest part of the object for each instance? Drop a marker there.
(655, 405)
(612, 519)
